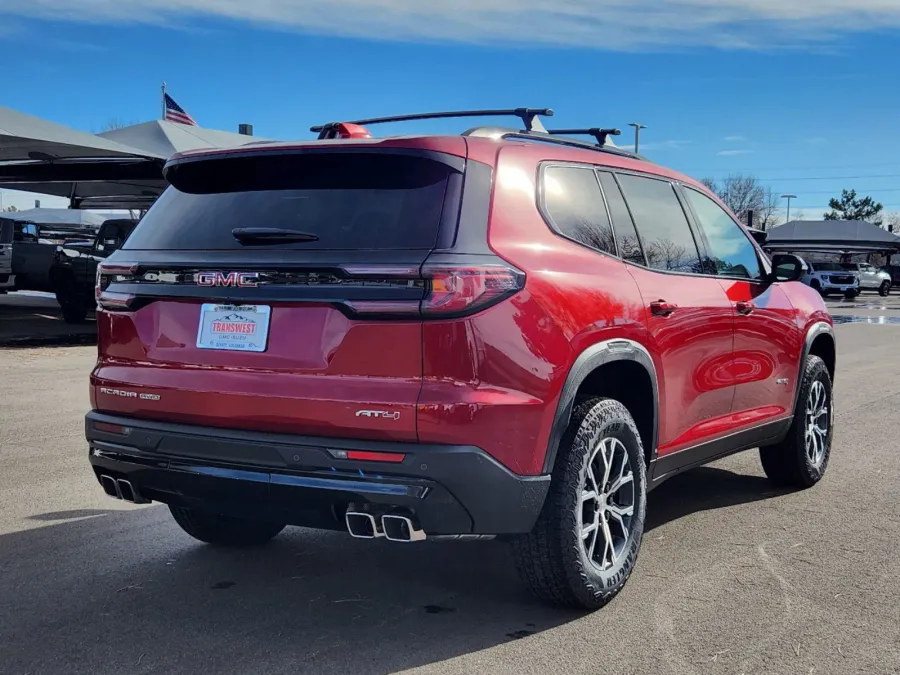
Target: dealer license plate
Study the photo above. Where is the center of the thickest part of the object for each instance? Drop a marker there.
(243, 328)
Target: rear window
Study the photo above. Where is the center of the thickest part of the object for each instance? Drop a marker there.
(349, 201)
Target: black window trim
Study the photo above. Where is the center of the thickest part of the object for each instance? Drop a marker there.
(701, 248)
(763, 267)
(545, 214)
(611, 171)
(693, 223)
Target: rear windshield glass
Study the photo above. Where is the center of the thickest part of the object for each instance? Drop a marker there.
(349, 201)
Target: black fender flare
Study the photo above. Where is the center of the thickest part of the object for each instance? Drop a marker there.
(817, 329)
(588, 361)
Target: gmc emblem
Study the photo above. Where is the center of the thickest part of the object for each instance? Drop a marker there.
(237, 279)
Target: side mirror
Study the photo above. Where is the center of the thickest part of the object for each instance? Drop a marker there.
(786, 267)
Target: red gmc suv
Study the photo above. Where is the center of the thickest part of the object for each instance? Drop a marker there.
(504, 333)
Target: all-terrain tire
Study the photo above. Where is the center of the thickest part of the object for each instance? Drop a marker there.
(551, 559)
(788, 463)
(223, 530)
(885, 289)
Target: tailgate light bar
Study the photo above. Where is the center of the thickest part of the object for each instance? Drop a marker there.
(448, 290)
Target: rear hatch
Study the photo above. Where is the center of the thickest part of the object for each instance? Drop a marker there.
(278, 290)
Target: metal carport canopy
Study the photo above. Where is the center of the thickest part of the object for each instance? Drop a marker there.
(119, 169)
(831, 236)
(26, 137)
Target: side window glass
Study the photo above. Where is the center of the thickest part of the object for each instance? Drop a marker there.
(25, 232)
(623, 226)
(668, 241)
(574, 204)
(730, 248)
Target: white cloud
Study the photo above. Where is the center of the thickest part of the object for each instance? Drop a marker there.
(732, 153)
(606, 24)
(734, 139)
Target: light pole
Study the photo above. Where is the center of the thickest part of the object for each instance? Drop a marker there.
(637, 135)
(789, 198)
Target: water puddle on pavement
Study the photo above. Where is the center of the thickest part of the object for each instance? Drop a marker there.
(879, 320)
(856, 305)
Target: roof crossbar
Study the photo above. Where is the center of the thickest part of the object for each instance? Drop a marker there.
(600, 134)
(529, 117)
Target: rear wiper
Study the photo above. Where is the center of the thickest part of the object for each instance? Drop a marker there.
(270, 235)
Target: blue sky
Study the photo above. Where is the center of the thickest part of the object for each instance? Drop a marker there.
(805, 94)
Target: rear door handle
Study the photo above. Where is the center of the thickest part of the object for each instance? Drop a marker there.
(743, 307)
(662, 308)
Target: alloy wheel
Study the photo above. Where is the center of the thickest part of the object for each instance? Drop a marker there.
(607, 504)
(817, 411)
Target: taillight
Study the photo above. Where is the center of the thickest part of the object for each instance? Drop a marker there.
(113, 301)
(450, 291)
(463, 290)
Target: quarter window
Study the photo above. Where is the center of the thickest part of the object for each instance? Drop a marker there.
(575, 206)
(668, 241)
(730, 249)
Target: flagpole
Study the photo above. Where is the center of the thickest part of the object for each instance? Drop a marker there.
(163, 101)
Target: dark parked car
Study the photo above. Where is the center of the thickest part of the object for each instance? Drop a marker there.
(34, 250)
(74, 269)
(7, 279)
(505, 333)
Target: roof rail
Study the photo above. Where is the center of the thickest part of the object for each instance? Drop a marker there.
(529, 117)
(549, 138)
(598, 133)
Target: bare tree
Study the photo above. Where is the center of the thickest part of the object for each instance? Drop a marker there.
(799, 215)
(892, 221)
(114, 123)
(740, 193)
(769, 214)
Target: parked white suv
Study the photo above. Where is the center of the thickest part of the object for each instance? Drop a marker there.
(831, 277)
(871, 278)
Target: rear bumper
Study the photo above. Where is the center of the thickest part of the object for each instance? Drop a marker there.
(294, 479)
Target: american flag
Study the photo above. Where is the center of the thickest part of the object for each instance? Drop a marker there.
(175, 113)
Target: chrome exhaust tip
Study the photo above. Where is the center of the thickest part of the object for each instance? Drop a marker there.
(110, 487)
(362, 525)
(129, 493)
(401, 528)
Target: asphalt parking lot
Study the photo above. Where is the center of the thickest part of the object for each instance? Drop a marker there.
(734, 577)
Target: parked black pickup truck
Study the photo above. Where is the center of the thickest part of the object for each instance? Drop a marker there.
(33, 249)
(75, 268)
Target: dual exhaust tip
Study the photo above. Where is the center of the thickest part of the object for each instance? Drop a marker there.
(392, 527)
(119, 488)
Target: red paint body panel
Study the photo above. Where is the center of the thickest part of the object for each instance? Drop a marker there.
(767, 349)
(320, 368)
(692, 349)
